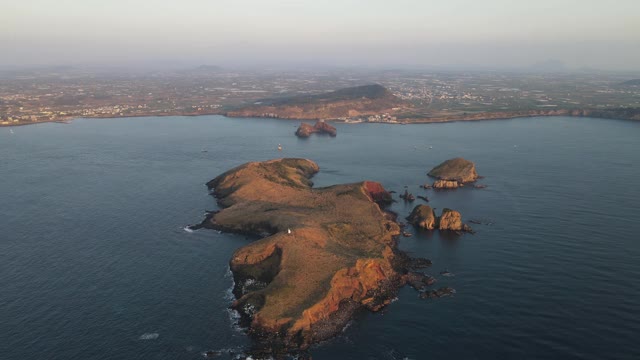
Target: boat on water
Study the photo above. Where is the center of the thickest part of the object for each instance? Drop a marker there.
(279, 147)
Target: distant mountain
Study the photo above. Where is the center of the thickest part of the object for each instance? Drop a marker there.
(634, 82)
(348, 102)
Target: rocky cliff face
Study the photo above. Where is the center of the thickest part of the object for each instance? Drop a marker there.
(321, 127)
(451, 220)
(377, 193)
(299, 287)
(424, 217)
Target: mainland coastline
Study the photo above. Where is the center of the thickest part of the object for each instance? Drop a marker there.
(360, 104)
(630, 114)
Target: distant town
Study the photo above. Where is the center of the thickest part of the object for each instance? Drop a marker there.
(63, 94)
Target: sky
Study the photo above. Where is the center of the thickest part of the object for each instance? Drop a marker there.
(370, 33)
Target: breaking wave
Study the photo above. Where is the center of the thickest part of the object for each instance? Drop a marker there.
(149, 336)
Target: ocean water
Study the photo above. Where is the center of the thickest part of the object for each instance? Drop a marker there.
(95, 263)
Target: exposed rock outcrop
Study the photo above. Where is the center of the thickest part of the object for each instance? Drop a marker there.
(451, 220)
(419, 281)
(321, 127)
(378, 193)
(446, 184)
(441, 292)
(424, 217)
(407, 196)
(459, 170)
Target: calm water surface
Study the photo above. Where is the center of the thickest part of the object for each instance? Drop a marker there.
(95, 264)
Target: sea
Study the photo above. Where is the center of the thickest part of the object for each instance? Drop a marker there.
(97, 262)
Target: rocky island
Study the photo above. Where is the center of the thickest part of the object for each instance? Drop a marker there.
(424, 217)
(343, 103)
(326, 252)
(453, 173)
(321, 127)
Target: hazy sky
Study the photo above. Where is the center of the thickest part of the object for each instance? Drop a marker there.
(459, 33)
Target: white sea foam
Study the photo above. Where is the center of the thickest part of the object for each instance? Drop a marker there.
(234, 316)
(215, 353)
(228, 294)
(149, 336)
(187, 229)
(347, 325)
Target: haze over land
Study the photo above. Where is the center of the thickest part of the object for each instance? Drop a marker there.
(460, 34)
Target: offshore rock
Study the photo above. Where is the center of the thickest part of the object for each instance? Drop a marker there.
(320, 127)
(419, 281)
(452, 220)
(441, 292)
(458, 169)
(424, 217)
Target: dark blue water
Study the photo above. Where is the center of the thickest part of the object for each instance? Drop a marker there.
(93, 254)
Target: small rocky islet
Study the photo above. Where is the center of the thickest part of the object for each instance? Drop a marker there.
(324, 253)
(321, 127)
(424, 217)
(454, 173)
